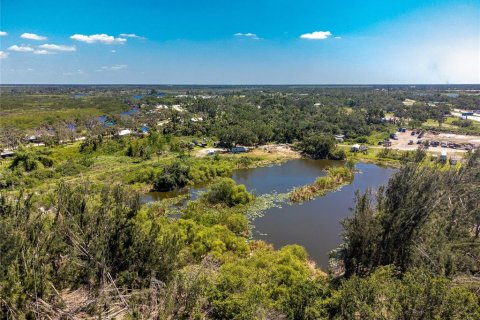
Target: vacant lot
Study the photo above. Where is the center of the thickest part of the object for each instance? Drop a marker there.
(404, 139)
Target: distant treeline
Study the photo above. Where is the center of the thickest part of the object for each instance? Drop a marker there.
(236, 115)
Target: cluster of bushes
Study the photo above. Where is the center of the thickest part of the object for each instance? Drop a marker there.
(227, 192)
(91, 237)
(415, 294)
(91, 144)
(462, 123)
(403, 156)
(30, 161)
(321, 146)
(181, 173)
(174, 176)
(204, 171)
(144, 148)
(29, 167)
(222, 204)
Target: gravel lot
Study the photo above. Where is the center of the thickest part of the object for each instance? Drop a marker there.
(405, 137)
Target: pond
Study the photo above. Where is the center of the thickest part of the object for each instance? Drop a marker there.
(276, 178)
(313, 224)
(316, 224)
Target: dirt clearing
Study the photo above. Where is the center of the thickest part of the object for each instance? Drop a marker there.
(408, 142)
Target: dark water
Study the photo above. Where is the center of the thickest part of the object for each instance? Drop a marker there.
(316, 224)
(192, 193)
(284, 177)
(313, 224)
(276, 178)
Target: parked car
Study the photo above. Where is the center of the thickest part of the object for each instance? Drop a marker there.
(239, 149)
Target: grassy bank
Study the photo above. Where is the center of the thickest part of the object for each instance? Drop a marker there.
(110, 163)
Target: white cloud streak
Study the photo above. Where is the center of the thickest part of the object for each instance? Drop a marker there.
(3, 55)
(42, 52)
(113, 68)
(20, 48)
(316, 35)
(24, 48)
(247, 35)
(98, 38)
(131, 35)
(33, 36)
(57, 47)
(3, 33)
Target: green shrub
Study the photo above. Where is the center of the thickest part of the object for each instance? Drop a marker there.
(337, 154)
(317, 146)
(69, 168)
(174, 176)
(46, 161)
(361, 139)
(227, 192)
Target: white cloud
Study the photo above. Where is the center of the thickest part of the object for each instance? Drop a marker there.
(32, 36)
(131, 35)
(247, 35)
(3, 55)
(3, 33)
(337, 37)
(113, 51)
(24, 48)
(43, 52)
(21, 48)
(316, 35)
(57, 47)
(102, 38)
(113, 68)
(119, 66)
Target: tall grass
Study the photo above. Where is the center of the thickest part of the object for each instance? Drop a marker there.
(335, 178)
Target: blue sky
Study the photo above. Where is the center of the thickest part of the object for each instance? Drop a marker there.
(239, 42)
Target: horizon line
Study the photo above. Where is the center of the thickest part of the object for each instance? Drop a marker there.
(239, 84)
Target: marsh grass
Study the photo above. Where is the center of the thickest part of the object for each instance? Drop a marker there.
(335, 178)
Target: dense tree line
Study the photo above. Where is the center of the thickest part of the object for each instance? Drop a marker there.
(426, 217)
(245, 117)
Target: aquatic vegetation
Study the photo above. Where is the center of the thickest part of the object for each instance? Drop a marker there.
(335, 178)
(264, 202)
